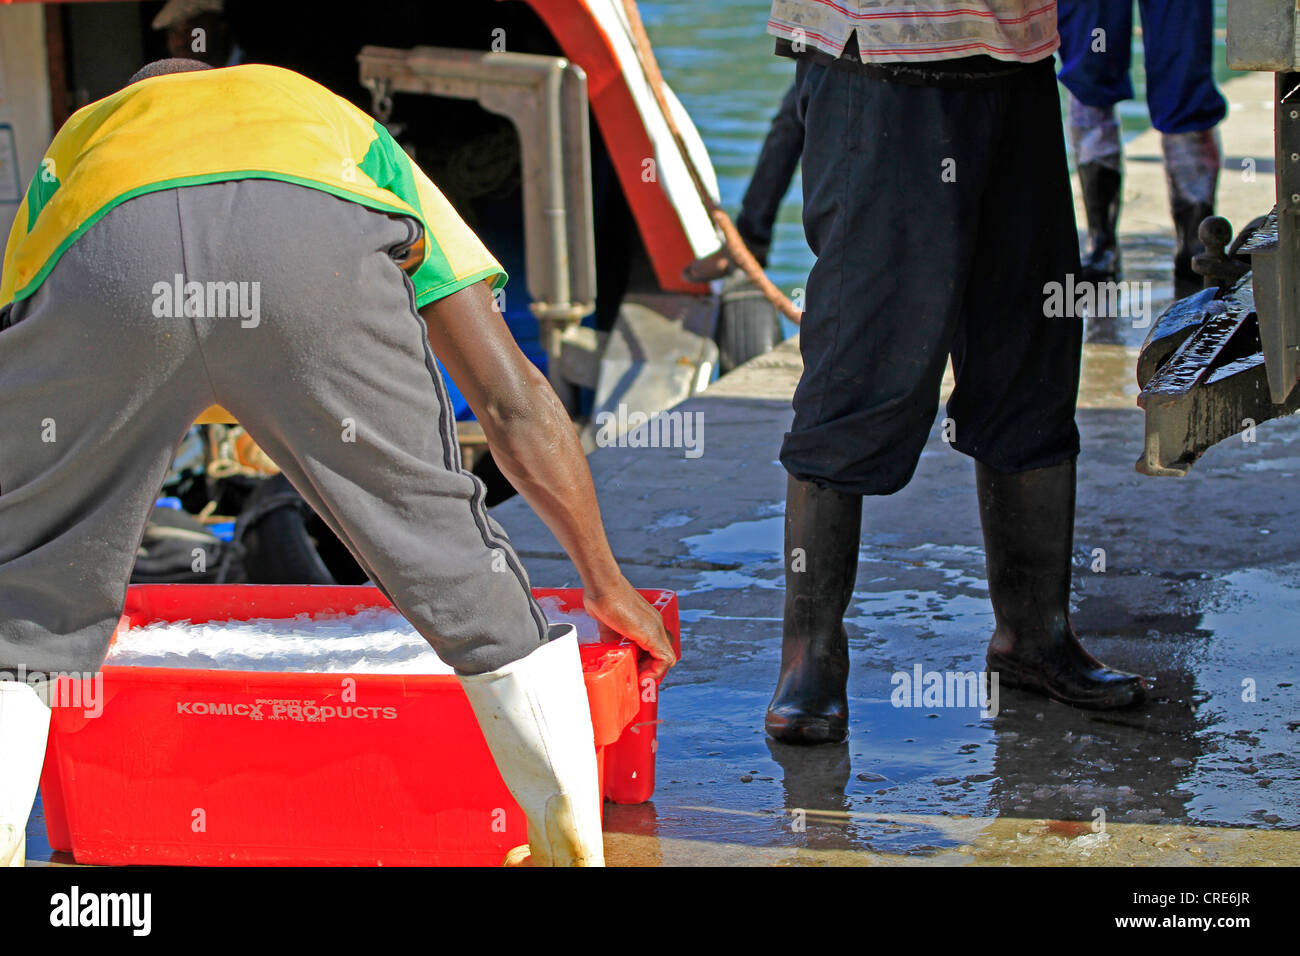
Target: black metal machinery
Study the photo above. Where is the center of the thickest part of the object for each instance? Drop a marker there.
(1227, 358)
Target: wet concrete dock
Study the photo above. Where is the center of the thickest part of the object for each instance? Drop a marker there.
(1200, 590)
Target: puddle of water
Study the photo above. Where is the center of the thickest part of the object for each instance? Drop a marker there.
(748, 542)
(753, 545)
(1247, 716)
(1196, 754)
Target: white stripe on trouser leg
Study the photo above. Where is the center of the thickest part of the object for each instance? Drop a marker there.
(537, 722)
(24, 726)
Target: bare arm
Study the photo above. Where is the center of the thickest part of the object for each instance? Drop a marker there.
(535, 446)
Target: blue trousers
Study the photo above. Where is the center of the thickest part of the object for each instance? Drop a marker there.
(1177, 37)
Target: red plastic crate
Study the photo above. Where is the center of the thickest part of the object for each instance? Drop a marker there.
(206, 767)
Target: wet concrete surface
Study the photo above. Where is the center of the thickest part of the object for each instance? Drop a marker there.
(1199, 590)
(1194, 582)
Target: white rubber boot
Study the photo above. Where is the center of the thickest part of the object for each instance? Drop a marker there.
(537, 722)
(24, 727)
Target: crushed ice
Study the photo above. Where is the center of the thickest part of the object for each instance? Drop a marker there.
(368, 641)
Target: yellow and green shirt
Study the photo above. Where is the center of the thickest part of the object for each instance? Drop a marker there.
(240, 122)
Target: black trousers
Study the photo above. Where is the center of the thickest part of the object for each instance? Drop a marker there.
(940, 215)
(777, 161)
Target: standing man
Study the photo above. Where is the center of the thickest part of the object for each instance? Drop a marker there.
(937, 201)
(1185, 106)
(243, 237)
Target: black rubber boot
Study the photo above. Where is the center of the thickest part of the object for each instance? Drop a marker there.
(822, 531)
(1102, 187)
(1028, 521)
(1187, 223)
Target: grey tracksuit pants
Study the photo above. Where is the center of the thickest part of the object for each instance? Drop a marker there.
(328, 368)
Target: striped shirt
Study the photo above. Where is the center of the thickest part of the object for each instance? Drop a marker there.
(916, 31)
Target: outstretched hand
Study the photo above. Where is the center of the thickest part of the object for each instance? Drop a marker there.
(622, 610)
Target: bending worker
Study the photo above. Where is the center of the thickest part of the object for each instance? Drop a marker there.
(255, 185)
